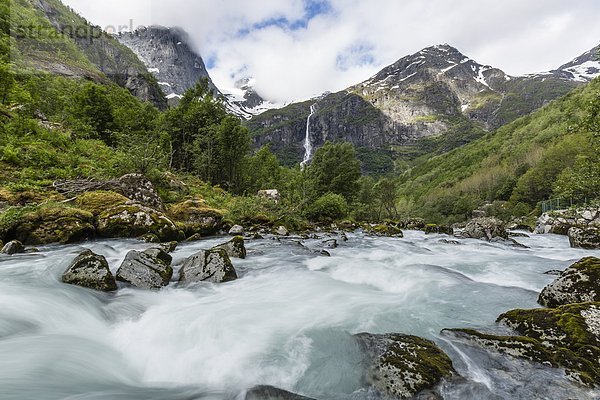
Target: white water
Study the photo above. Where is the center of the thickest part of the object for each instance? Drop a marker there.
(286, 322)
(308, 147)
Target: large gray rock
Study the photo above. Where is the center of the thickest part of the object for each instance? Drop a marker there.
(485, 229)
(579, 283)
(208, 266)
(234, 248)
(13, 247)
(264, 392)
(150, 269)
(236, 230)
(91, 271)
(401, 366)
(585, 238)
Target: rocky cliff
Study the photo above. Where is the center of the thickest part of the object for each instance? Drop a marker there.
(436, 99)
(113, 60)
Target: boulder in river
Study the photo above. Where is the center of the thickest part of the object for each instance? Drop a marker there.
(150, 269)
(212, 266)
(439, 229)
(585, 238)
(133, 220)
(385, 229)
(236, 230)
(264, 392)
(485, 228)
(401, 366)
(577, 284)
(234, 248)
(91, 271)
(13, 247)
(282, 231)
(567, 337)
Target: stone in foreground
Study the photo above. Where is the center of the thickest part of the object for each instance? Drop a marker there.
(91, 271)
(236, 230)
(264, 392)
(567, 337)
(234, 248)
(150, 269)
(13, 247)
(584, 238)
(577, 284)
(212, 266)
(401, 366)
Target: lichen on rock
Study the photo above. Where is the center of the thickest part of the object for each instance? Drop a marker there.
(577, 284)
(208, 266)
(91, 271)
(234, 248)
(401, 366)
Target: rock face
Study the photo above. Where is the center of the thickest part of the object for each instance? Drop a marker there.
(91, 271)
(419, 96)
(485, 229)
(234, 248)
(169, 57)
(13, 247)
(150, 269)
(559, 222)
(579, 283)
(104, 52)
(212, 266)
(586, 238)
(401, 366)
(133, 220)
(264, 392)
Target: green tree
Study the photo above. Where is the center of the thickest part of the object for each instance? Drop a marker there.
(263, 171)
(93, 110)
(336, 169)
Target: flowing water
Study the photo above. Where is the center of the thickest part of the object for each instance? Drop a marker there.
(286, 322)
(308, 147)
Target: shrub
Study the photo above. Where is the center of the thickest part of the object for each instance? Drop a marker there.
(328, 207)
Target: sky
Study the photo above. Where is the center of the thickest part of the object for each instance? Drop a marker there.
(296, 49)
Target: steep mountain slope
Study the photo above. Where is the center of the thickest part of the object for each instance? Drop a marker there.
(167, 54)
(170, 57)
(521, 162)
(436, 99)
(51, 37)
(583, 68)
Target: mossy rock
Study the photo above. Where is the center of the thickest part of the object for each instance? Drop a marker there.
(388, 230)
(196, 217)
(577, 284)
(133, 220)
(234, 248)
(401, 366)
(439, 229)
(49, 223)
(100, 201)
(566, 337)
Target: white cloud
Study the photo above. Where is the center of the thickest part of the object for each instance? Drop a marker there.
(518, 37)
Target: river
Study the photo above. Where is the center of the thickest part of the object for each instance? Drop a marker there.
(286, 322)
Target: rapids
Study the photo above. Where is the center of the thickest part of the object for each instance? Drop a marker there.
(286, 322)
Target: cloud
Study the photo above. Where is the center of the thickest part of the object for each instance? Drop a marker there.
(300, 48)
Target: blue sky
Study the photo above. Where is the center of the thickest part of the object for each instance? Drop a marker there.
(299, 48)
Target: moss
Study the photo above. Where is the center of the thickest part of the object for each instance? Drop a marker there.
(134, 220)
(100, 201)
(48, 223)
(195, 217)
(387, 229)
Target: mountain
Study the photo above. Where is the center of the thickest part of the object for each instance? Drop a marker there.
(583, 68)
(170, 57)
(51, 37)
(167, 54)
(434, 100)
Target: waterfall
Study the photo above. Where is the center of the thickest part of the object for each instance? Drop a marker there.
(308, 147)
